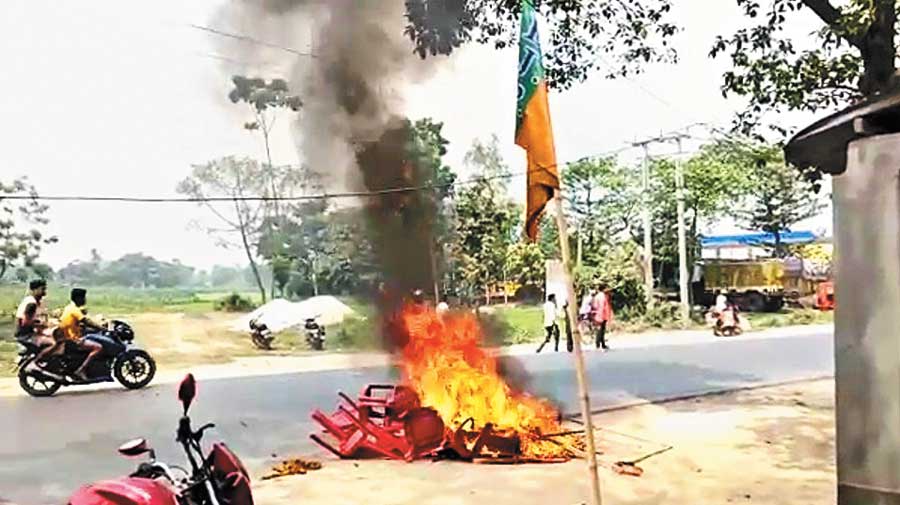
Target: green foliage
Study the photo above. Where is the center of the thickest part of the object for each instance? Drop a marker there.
(262, 95)
(618, 268)
(244, 220)
(525, 265)
(851, 56)
(131, 270)
(234, 303)
(603, 199)
(22, 224)
(486, 222)
(780, 197)
(630, 33)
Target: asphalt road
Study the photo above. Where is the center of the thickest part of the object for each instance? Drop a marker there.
(48, 447)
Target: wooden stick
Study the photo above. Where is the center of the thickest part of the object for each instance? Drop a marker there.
(583, 389)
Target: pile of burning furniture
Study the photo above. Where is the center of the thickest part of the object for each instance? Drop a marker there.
(387, 421)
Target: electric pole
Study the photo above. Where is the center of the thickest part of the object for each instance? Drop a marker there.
(684, 295)
(646, 213)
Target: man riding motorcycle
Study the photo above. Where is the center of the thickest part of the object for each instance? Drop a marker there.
(31, 319)
(72, 324)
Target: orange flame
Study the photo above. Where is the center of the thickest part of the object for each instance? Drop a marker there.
(444, 363)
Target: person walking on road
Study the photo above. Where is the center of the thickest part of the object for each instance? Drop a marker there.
(551, 326)
(601, 314)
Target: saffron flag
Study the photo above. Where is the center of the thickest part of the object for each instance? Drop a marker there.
(533, 130)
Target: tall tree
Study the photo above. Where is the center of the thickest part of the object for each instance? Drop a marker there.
(266, 99)
(602, 201)
(852, 56)
(780, 198)
(22, 224)
(426, 149)
(486, 221)
(237, 179)
(629, 33)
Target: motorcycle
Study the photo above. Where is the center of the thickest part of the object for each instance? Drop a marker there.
(261, 335)
(315, 334)
(726, 323)
(217, 479)
(119, 360)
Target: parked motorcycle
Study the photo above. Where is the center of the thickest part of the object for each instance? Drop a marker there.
(119, 360)
(261, 335)
(217, 479)
(315, 334)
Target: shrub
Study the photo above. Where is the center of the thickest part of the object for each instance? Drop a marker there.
(617, 267)
(234, 303)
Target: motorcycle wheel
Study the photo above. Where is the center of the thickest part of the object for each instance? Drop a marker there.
(262, 342)
(134, 368)
(36, 386)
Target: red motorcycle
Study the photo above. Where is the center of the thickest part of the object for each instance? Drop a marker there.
(218, 479)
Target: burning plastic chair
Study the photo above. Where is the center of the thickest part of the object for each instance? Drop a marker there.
(391, 424)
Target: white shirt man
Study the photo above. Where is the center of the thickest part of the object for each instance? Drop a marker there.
(551, 314)
(721, 303)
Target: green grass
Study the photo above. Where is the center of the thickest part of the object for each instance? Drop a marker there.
(117, 300)
(504, 325)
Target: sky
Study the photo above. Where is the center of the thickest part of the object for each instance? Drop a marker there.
(111, 98)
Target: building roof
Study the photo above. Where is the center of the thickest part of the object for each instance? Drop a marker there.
(823, 144)
(757, 239)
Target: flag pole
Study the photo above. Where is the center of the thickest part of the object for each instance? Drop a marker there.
(572, 313)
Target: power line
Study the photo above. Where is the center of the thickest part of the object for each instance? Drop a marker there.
(355, 194)
(251, 40)
(321, 196)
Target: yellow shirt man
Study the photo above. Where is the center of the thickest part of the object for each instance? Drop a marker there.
(70, 322)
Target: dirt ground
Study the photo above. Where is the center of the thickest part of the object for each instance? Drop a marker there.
(765, 446)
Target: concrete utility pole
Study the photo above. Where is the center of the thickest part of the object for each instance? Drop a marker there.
(683, 281)
(648, 226)
(683, 275)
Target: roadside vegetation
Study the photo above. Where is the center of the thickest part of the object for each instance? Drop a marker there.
(182, 326)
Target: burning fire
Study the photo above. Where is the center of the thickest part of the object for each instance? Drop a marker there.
(444, 363)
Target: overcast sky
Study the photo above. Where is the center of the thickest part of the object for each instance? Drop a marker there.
(114, 98)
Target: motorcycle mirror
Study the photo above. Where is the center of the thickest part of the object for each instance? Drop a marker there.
(187, 391)
(134, 447)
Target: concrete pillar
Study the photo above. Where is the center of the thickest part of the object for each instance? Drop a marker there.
(867, 323)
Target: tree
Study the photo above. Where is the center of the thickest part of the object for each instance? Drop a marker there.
(602, 201)
(264, 99)
(486, 221)
(851, 57)
(630, 33)
(526, 264)
(426, 149)
(780, 198)
(715, 181)
(237, 179)
(21, 226)
(42, 271)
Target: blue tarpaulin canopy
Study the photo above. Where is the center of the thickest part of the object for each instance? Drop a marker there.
(757, 239)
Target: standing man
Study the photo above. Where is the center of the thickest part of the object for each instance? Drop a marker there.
(601, 312)
(71, 322)
(551, 314)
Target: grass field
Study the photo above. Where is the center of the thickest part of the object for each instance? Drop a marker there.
(180, 327)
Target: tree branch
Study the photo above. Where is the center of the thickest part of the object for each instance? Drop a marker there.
(832, 17)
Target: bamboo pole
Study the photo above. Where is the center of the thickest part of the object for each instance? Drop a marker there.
(583, 389)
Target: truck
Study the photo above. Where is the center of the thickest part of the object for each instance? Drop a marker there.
(758, 285)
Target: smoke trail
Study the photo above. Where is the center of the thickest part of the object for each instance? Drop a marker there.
(351, 131)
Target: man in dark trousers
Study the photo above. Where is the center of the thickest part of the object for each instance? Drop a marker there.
(551, 314)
